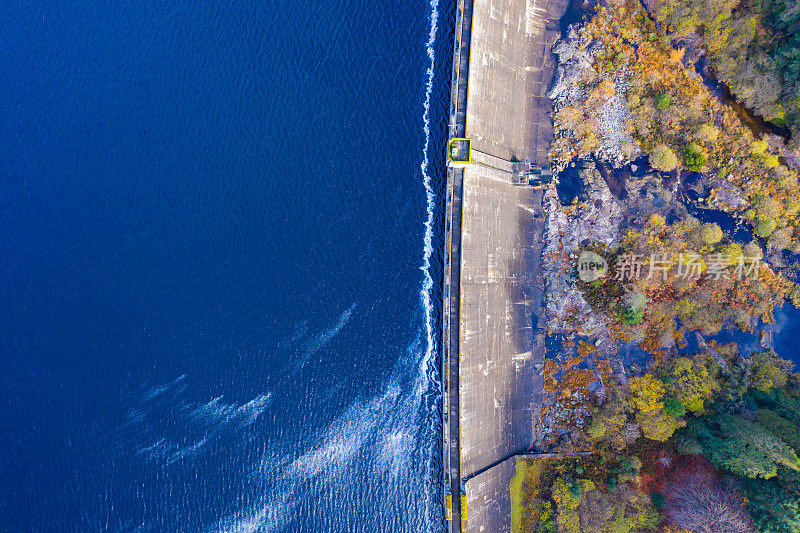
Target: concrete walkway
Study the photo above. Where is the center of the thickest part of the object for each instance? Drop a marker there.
(461, 68)
(453, 317)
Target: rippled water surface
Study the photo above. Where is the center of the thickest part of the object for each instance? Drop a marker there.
(220, 227)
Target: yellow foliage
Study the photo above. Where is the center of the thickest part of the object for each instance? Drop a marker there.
(658, 425)
(606, 89)
(647, 393)
(656, 221)
(567, 506)
(692, 384)
(687, 306)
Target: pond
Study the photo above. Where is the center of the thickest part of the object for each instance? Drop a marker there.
(783, 333)
(735, 229)
(570, 184)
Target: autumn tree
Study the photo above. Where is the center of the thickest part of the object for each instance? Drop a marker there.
(699, 501)
(663, 158)
(707, 134)
(710, 233)
(767, 208)
(623, 510)
(764, 228)
(647, 395)
(567, 496)
(769, 371)
(691, 384)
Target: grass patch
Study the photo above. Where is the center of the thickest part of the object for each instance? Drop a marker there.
(516, 495)
(525, 495)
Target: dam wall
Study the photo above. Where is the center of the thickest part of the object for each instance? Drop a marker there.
(493, 347)
(510, 68)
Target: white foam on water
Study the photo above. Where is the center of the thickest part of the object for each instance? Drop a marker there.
(326, 336)
(219, 414)
(392, 454)
(344, 439)
(386, 428)
(158, 390)
(424, 382)
(334, 460)
(427, 284)
(250, 524)
(165, 428)
(318, 341)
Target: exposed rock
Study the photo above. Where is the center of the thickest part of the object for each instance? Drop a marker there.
(573, 62)
(778, 143)
(616, 143)
(776, 260)
(596, 220)
(726, 193)
(692, 46)
(630, 432)
(765, 339)
(708, 350)
(576, 82)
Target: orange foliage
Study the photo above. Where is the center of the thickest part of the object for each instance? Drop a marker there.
(584, 349)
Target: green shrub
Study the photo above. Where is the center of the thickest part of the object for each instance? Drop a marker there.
(674, 407)
(693, 158)
(782, 428)
(662, 100)
(658, 500)
(575, 490)
(794, 296)
(631, 310)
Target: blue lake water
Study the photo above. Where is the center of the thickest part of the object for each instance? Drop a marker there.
(220, 228)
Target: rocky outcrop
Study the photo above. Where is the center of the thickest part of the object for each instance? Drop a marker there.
(574, 60)
(778, 143)
(596, 220)
(616, 143)
(708, 350)
(600, 93)
(725, 195)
